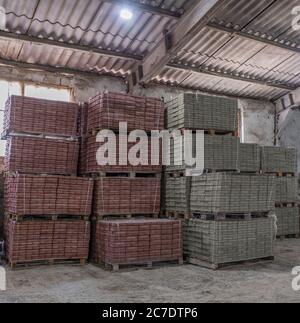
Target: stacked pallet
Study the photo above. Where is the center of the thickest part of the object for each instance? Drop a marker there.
(137, 242)
(90, 164)
(200, 112)
(46, 205)
(218, 117)
(213, 244)
(36, 116)
(107, 109)
(124, 190)
(36, 195)
(228, 205)
(34, 155)
(283, 163)
(46, 242)
(225, 193)
(127, 196)
(220, 153)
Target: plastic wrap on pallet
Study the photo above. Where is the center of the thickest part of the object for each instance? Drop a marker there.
(88, 161)
(193, 111)
(136, 241)
(30, 241)
(127, 196)
(31, 115)
(286, 190)
(220, 153)
(41, 156)
(278, 160)
(223, 242)
(106, 110)
(249, 158)
(287, 221)
(232, 193)
(48, 195)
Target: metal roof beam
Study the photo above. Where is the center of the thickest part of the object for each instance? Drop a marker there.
(51, 69)
(44, 41)
(232, 76)
(256, 38)
(134, 5)
(189, 25)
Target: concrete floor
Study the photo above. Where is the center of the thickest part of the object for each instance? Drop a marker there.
(261, 282)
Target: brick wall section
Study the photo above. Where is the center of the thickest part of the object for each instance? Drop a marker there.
(49, 195)
(40, 155)
(106, 110)
(122, 195)
(30, 115)
(136, 241)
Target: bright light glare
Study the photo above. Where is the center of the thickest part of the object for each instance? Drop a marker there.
(126, 14)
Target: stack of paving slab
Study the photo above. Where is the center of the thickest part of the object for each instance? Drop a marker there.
(46, 210)
(200, 112)
(220, 153)
(225, 193)
(197, 112)
(215, 243)
(283, 163)
(278, 160)
(230, 203)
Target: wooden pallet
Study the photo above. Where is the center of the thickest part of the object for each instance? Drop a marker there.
(177, 215)
(47, 262)
(101, 217)
(8, 133)
(209, 265)
(138, 264)
(21, 218)
(281, 174)
(124, 174)
(286, 205)
(14, 174)
(228, 216)
(213, 132)
(94, 132)
(288, 236)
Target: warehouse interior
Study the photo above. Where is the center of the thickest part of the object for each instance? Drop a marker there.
(246, 52)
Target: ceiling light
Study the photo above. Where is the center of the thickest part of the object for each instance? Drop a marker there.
(126, 14)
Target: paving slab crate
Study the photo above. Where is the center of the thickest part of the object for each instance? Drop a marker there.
(213, 244)
(278, 160)
(123, 196)
(249, 158)
(108, 109)
(136, 242)
(35, 155)
(192, 111)
(287, 221)
(35, 241)
(35, 195)
(220, 153)
(88, 162)
(37, 116)
(232, 193)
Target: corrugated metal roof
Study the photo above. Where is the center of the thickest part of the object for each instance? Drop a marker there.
(97, 24)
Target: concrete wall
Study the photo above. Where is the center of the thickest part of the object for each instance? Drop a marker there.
(258, 117)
